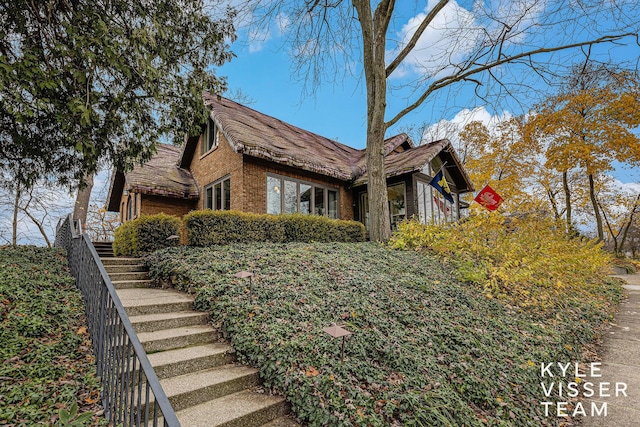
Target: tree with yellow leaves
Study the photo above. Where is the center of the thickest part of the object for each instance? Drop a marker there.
(503, 159)
(588, 125)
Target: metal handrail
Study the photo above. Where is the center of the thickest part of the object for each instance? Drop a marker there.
(131, 392)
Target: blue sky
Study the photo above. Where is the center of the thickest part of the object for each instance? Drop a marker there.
(337, 110)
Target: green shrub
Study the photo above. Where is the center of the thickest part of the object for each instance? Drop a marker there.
(146, 234)
(208, 228)
(528, 261)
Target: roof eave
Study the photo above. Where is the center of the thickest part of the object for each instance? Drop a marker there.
(116, 187)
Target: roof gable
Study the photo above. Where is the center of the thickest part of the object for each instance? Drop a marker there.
(160, 176)
(259, 135)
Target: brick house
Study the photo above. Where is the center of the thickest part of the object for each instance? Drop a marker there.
(247, 161)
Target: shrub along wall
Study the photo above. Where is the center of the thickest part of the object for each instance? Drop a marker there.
(208, 228)
(146, 234)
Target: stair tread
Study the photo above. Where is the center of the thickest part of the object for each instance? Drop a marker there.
(151, 296)
(227, 408)
(164, 316)
(174, 332)
(180, 355)
(198, 380)
(116, 260)
(132, 281)
(125, 265)
(282, 422)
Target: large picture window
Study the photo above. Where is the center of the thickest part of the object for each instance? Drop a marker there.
(289, 195)
(217, 196)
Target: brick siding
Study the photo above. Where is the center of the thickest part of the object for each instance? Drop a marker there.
(151, 205)
(215, 164)
(255, 188)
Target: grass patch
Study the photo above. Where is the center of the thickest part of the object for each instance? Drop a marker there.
(45, 352)
(425, 350)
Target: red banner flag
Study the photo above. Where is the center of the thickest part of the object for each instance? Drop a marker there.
(489, 198)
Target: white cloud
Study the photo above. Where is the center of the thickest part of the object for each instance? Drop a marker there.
(456, 34)
(449, 37)
(627, 187)
(451, 128)
(258, 38)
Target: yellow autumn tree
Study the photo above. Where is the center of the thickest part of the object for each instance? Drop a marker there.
(502, 159)
(588, 125)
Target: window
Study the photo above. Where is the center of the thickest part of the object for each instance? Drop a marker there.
(433, 207)
(210, 137)
(129, 209)
(289, 195)
(397, 205)
(217, 196)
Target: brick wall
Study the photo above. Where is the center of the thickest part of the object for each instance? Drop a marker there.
(151, 205)
(255, 185)
(215, 164)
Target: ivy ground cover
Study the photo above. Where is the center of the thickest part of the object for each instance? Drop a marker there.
(424, 350)
(46, 363)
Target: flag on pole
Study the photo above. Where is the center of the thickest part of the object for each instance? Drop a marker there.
(439, 182)
(489, 198)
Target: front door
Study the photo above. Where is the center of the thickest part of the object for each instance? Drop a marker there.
(397, 205)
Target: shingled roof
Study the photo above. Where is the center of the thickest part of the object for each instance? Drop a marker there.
(414, 159)
(159, 176)
(259, 135)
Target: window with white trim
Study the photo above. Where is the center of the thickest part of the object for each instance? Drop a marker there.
(290, 195)
(433, 207)
(210, 137)
(217, 195)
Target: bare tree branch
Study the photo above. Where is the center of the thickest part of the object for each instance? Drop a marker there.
(416, 36)
(466, 73)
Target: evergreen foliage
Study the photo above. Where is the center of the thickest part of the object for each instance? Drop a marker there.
(86, 81)
(146, 234)
(207, 228)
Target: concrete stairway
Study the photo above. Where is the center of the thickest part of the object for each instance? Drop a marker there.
(196, 369)
(104, 249)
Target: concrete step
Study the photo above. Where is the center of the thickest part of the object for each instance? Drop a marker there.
(169, 339)
(159, 321)
(137, 275)
(190, 359)
(139, 301)
(282, 422)
(243, 409)
(185, 391)
(125, 268)
(129, 284)
(121, 261)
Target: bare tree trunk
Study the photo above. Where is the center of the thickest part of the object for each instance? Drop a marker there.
(554, 204)
(374, 29)
(82, 199)
(38, 223)
(614, 236)
(628, 225)
(14, 236)
(567, 200)
(596, 208)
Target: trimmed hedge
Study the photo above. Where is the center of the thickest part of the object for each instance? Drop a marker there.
(146, 234)
(208, 228)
